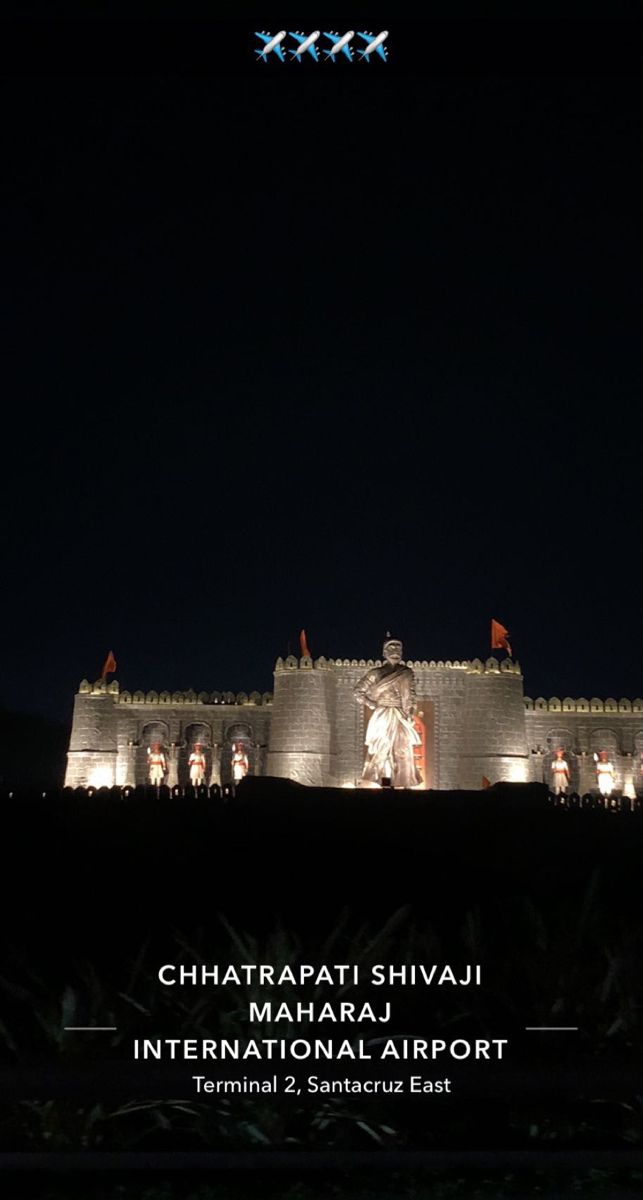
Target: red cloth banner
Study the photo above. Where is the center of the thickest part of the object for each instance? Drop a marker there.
(499, 637)
(109, 666)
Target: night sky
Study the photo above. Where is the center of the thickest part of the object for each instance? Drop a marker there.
(348, 349)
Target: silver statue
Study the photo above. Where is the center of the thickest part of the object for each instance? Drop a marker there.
(389, 691)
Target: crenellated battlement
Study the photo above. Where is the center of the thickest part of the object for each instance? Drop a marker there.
(492, 666)
(611, 707)
(102, 688)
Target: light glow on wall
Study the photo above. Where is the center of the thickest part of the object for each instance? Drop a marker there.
(101, 777)
(517, 772)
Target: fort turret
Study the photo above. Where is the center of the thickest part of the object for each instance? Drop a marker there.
(93, 749)
(494, 739)
(302, 743)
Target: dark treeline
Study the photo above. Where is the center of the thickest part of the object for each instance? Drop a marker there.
(32, 751)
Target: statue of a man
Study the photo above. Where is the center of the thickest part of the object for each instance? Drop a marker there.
(604, 773)
(239, 761)
(157, 764)
(559, 773)
(196, 764)
(389, 691)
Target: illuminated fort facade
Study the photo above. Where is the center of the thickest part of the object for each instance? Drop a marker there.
(478, 727)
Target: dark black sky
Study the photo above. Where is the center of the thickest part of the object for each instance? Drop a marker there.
(339, 349)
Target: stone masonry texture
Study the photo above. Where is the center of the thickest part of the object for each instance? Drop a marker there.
(480, 726)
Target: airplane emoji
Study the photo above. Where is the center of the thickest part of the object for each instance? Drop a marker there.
(271, 43)
(306, 43)
(340, 44)
(374, 44)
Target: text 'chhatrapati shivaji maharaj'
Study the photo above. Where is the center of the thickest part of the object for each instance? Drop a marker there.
(339, 974)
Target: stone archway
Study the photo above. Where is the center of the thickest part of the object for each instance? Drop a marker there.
(561, 737)
(151, 732)
(201, 732)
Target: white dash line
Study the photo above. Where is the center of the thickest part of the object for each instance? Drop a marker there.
(552, 1028)
(89, 1028)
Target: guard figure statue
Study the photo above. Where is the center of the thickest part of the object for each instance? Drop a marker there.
(604, 773)
(559, 773)
(240, 762)
(157, 764)
(196, 763)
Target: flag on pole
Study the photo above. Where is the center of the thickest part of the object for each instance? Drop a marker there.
(109, 666)
(486, 783)
(499, 637)
(303, 645)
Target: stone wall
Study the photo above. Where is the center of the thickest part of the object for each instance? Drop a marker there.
(112, 730)
(318, 729)
(583, 728)
(93, 747)
(302, 739)
(480, 725)
(494, 740)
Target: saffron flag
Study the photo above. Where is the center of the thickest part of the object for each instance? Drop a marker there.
(303, 644)
(486, 783)
(109, 666)
(499, 637)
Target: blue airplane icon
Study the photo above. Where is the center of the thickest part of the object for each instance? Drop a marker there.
(271, 42)
(374, 45)
(306, 44)
(341, 44)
